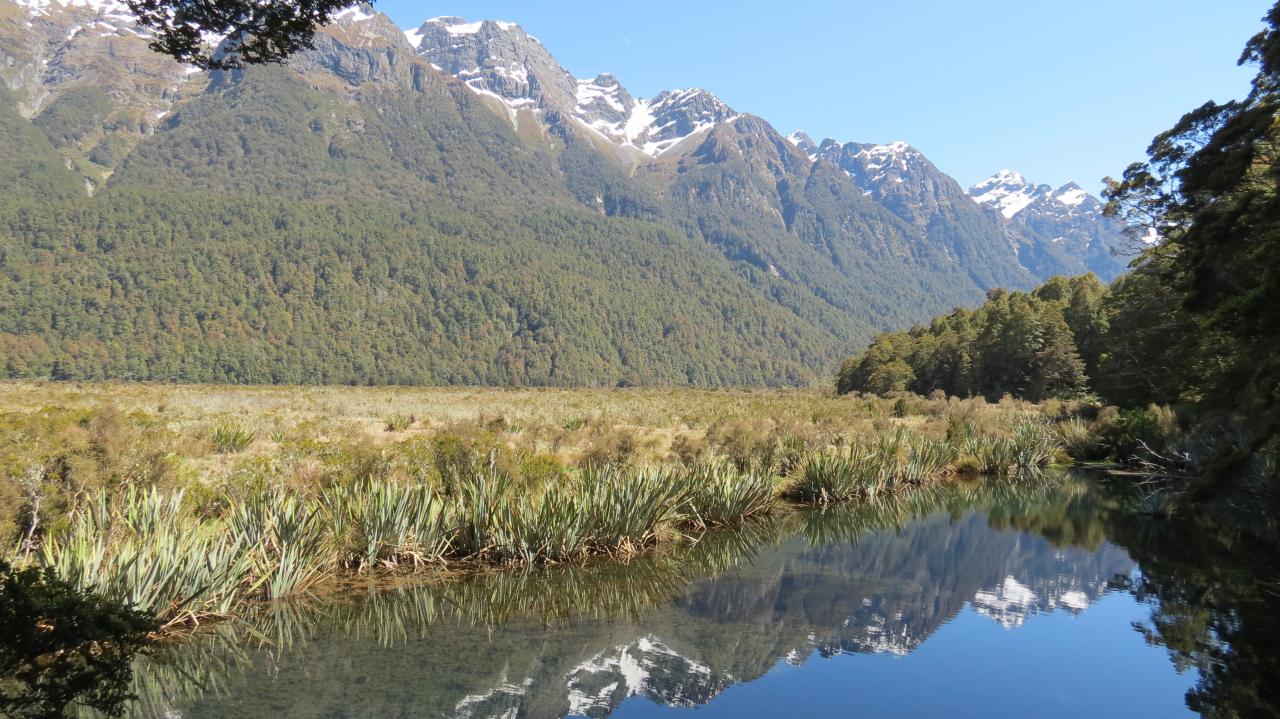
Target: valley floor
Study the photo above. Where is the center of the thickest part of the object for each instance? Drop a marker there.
(217, 430)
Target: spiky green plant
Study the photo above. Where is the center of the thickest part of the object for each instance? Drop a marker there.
(399, 422)
(826, 478)
(992, 455)
(145, 550)
(1035, 444)
(482, 513)
(721, 496)
(289, 538)
(628, 510)
(385, 523)
(229, 439)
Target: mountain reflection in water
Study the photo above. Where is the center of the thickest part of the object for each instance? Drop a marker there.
(701, 625)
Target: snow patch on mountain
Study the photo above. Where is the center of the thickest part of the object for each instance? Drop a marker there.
(499, 59)
(355, 13)
(1007, 191)
(101, 7)
(1071, 196)
(804, 143)
(602, 682)
(604, 88)
(881, 160)
(650, 126)
(109, 17)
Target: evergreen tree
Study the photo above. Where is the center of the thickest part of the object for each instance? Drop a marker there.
(257, 31)
(1211, 190)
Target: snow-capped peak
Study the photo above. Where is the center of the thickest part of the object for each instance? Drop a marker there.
(651, 126)
(355, 13)
(1071, 195)
(101, 7)
(459, 26)
(1007, 191)
(1011, 193)
(873, 167)
(803, 143)
(499, 60)
(880, 157)
(606, 89)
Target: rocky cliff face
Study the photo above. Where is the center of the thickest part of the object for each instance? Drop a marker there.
(82, 71)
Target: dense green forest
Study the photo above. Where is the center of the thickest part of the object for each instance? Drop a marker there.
(259, 239)
(1034, 345)
(272, 229)
(1194, 325)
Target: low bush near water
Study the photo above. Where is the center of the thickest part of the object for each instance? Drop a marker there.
(892, 463)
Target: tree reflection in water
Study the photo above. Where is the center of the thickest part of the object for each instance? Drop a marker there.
(682, 625)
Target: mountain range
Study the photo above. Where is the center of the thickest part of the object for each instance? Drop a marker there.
(449, 204)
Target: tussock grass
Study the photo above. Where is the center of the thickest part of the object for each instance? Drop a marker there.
(893, 463)
(228, 439)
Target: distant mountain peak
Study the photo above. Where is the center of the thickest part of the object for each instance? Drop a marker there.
(356, 13)
(1071, 195)
(101, 7)
(650, 126)
(459, 26)
(1011, 193)
(804, 143)
(873, 166)
(1008, 192)
(881, 161)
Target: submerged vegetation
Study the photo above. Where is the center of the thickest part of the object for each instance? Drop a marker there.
(188, 503)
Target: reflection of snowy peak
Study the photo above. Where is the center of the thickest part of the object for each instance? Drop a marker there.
(646, 667)
(503, 701)
(1014, 600)
(1011, 602)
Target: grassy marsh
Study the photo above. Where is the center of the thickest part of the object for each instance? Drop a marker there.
(191, 501)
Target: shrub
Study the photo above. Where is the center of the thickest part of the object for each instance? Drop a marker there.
(64, 647)
(1079, 441)
(230, 439)
(721, 496)
(399, 422)
(1137, 433)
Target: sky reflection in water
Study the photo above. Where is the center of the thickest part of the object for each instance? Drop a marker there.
(955, 604)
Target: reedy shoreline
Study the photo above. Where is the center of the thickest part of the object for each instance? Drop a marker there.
(186, 562)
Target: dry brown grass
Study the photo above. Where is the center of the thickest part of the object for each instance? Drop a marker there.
(90, 435)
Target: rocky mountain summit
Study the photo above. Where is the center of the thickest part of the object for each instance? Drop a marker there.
(502, 61)
(1068, 221)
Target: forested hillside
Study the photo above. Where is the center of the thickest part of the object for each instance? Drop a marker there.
(230, 250)
(361, 215)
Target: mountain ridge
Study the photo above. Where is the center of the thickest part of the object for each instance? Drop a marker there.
(518, 224)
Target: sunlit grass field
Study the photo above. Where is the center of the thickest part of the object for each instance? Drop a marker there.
(187, 501)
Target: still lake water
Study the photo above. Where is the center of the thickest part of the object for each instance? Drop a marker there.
(1008, 601)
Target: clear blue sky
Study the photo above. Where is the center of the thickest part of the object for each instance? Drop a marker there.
(1056, 90)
